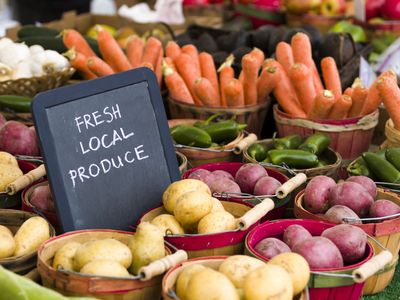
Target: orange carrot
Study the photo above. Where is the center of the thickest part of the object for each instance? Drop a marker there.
(99, 66)
(284, 55)
(208, 70)
(233, 92)
(270, 62)
(341, 108)
(172, 50)
(323, 104)
(301, 78)
(111, 51)
(177, 88)
(189, 72)
(250, 69)
(226, 74)
(204, 90)
(73, 39)
(158, 69)
(192, 51)
(151, 51)
(170, 63)
(358, 98)
(331, 76)
(348, 91)
(258, 55)
(265, 84)
(134, 50)
(390, 94)
(302, 53)
(78, 61)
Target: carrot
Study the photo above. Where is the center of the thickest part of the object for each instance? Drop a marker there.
(390, 94)
(192, 51)
(270, 62)
(358, 98)
(284, 55)
(233, 92)
(111, 51)
(265, 84)
(78, 61)
(172, 50)
(323, 104)
(258, 55)
(250, 69)
(208, 70)
(151, 51)
(134, 50)
(226, 74)
(284, 92)
(341, 108)
(189, 72)
(204, 91)
(176, 86)
(301, 78)
(348, 91)
(331, 76)
(170, 63)
(302, 53)
(73, 39)
(99, 66)
(158, 69)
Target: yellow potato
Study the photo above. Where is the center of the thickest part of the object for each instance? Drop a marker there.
(268, 282)
(167, 224)
(30, 235)
(210, 284)
(192, 206)
(216, 205)
(8, 173)
(184, 276)
(6, 230)
(296, 266)
(178, 188)
(104, 267)
(7, 243)
(105, 249)
(63, 259)
(237, 267)
(8, 159)
(219, 221)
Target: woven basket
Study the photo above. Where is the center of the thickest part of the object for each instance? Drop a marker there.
(392, 136)
(323, 23)
(182, 161)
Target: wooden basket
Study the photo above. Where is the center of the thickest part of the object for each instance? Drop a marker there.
(349, 137)
(183, 162)
(13, 220)
(386, 232)
(252, 115)
(323, 23)
(106, 288)
(392, 136)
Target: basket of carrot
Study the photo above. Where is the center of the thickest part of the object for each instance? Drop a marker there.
(310, 103)
(197, 90)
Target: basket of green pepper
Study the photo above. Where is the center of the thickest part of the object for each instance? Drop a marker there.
(311, 156)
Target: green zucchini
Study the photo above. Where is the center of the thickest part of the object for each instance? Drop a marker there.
(32, 30)
(15, 103)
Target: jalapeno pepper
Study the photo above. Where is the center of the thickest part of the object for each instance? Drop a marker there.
(258, 151)
(381, 168)
(287, 142)
(224, 131)
(359, 168)
(191, 136)
(393, 156)
(316, 144)
(294, 158)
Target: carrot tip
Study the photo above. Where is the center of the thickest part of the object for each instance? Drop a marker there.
(357, 83)
(70, 54)
(328, 93)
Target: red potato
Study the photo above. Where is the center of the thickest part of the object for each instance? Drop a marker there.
(270, 247)
(222, 173)
(248, 175)
(337, 213)
(200, 174)
(316, 194)
(294, 234)
(16, 138)
(366, 182)
(350, 240)
(352, 195)
(224, 185)
(320, 253)
(42, 199)
(382, 208)
(266, 186)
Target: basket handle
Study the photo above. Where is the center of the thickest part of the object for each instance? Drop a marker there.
(291, 185)
(25, 180)
(247, 141)
(162, 265)
(372, 266)
(255, 214)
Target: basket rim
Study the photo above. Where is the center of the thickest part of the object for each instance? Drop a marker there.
(67, 71)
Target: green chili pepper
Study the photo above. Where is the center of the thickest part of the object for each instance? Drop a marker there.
(191, 136)
(257, 151)
(381, 168)
(359, 168)
(224, 131)
(322, 163)
(267, 160)
(294, 158)
(393, 156)
(287, 142)
(316, 144)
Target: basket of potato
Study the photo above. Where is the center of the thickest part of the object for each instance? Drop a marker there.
(107, 264)
(21, 234)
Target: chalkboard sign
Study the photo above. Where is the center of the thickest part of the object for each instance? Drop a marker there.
(107, 149)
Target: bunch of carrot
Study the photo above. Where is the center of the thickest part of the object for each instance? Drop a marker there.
(191, 77)
(294, 80)
(139, 53)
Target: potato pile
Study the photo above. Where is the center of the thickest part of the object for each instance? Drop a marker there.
(192, 210)
(244, 277)
(9, 170)
(111, 257)
(28, 238)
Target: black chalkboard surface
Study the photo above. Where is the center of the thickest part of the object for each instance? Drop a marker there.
(107, 149)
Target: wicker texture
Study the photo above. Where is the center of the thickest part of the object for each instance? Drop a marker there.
(392, 136)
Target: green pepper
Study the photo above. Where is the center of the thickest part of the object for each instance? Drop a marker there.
(267, 160)
(294, 158)
(359, 168)
(322, 163)
(316, 144)
(381, 168)
(393, 156)
(288, 142)
(257, 151)
(224, 131)
(191, 136)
